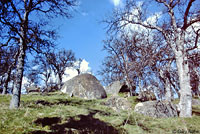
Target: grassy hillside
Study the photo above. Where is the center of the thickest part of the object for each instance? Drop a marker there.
(56, 113)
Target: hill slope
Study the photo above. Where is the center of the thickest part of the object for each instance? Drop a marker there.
(56, 113)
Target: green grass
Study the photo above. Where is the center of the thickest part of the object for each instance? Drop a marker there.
(56, 113)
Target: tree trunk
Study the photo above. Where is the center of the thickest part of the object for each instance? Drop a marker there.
(5, 87)
(198, 91)
(177, 91)
(7, 79)
(46, 88)
(139, 84)
(165, 77)
(128, 83)
(60, 82)
(127, 78)
(185, 88)
(168, 91)
(15, 101)
(47, 76)
(168, 94)
(78, 70)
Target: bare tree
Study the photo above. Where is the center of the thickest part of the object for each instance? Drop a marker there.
(194, 65)
(41, 69)
(60, 61)
(137, 60)
(173, 21)
(78, 65)
(117, 64)
(18, 19)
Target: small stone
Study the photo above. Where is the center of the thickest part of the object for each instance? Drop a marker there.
(118, 103)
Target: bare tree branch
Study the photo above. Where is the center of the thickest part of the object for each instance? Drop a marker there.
(185, 25)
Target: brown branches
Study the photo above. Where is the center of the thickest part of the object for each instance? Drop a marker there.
(186, 24)
(196, 40)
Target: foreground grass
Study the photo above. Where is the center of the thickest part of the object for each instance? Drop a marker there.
(56, 113)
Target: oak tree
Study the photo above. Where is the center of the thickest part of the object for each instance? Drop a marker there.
(25, 22)
(59, 61)
(173, 19)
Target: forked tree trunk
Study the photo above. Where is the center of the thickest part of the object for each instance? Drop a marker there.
(185, 88)
(15, 101)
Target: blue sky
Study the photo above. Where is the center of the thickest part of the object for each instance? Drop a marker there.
(83, 33)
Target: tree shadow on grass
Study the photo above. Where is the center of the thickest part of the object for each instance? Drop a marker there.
(195, 111)
(82, 124)
(70, 102)
(47, 121)
(63, 102)
(44, 103)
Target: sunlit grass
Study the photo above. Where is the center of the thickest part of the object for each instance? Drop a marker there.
(68, 111)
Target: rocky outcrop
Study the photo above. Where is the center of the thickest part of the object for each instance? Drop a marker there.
(159, 109)
(118, 103)
(195, 102)
(146, 96)
(117, 87)
(114, 88)
(85, 86)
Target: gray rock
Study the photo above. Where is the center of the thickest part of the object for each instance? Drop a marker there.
(84, 86)
(118, 103)
(195, 102)
(146, 96)
(117, 87)
(159, 109)
(114, 88)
